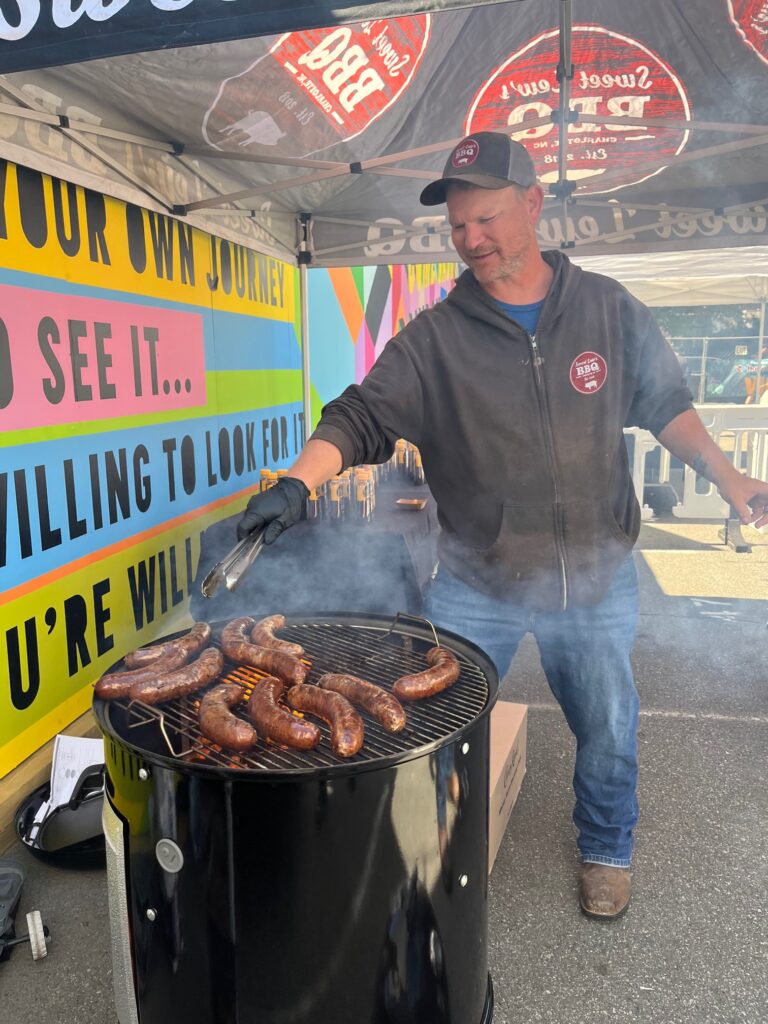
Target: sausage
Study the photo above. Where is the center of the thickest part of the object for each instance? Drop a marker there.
(192, 642)
(118, 684)
(237, 647)
(378, 702)
(263, 635)
(192, 677)
(276, 722)
(217, 722)
(444, 672)
(347, 728)
(148, 655)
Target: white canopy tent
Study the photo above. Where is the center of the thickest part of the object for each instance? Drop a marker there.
(702, 278)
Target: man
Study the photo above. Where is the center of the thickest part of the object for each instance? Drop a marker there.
(516, 389)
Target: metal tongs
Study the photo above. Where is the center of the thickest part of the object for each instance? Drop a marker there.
(234, 565)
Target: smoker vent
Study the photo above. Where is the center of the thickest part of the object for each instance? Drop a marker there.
(372, 651)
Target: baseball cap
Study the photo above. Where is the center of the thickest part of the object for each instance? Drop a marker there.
(485, 159)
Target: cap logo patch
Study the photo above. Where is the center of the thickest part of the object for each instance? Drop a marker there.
(588, 373)
(465, 154)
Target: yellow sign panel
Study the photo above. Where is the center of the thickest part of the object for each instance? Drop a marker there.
(56, 642)
(56, 229)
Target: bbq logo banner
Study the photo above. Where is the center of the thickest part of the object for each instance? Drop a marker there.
(316, 88)
(751, 20)
(615, 76)
(148, 373)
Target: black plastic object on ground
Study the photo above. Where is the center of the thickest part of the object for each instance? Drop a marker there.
(11, 883)
(71, 835)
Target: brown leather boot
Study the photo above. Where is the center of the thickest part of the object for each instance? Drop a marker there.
(604, 891)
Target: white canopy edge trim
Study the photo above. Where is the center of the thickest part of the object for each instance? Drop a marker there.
(400, 232)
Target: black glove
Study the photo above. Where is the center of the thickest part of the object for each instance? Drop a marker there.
(281, 506)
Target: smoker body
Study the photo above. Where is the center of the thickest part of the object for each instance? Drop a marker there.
(340, 894)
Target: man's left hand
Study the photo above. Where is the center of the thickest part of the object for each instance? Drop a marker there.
(750, 499)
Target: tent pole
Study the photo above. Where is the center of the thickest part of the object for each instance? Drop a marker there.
(564, 76)
(305, 257)
(760, 344)
(564, 188)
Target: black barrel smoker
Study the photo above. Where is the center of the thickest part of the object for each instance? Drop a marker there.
(297, 887)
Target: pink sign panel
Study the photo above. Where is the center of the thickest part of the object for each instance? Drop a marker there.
(69, 359)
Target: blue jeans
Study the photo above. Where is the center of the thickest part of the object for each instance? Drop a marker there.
(585, 654)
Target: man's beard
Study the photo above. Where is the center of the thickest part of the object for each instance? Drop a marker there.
(505, 267)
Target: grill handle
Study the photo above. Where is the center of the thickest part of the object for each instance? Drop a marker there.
(391, 630)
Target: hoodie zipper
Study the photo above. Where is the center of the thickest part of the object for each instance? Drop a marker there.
(547, 423)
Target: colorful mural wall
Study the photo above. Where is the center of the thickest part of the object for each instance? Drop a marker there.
(353, 312)
(148, 372)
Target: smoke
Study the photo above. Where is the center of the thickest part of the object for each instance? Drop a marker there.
(320, 567)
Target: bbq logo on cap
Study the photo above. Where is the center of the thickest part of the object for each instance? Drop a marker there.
(465, 153)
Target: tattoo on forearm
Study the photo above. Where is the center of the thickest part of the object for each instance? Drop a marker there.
(701, 466)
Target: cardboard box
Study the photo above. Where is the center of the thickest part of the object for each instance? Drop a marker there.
(509, 732)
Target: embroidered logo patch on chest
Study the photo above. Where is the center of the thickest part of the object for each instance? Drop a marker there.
(588, 373)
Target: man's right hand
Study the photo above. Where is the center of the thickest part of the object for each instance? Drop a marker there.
(277, 508)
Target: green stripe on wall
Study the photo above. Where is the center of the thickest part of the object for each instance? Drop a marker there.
(359, 279)
(228, 391)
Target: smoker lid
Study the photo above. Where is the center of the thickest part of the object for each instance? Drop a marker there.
(370, 646)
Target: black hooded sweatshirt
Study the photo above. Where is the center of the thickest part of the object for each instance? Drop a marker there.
(520, 436)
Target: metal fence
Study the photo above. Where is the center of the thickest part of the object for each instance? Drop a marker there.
(730, 369)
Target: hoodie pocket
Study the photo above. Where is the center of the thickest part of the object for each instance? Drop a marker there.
(525, 543)
(595, 545)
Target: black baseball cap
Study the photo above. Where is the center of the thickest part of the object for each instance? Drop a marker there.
(485, 159)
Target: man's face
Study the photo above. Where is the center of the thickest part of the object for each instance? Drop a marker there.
(494, 230)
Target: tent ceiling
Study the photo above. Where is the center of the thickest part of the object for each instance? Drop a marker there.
(665, 148)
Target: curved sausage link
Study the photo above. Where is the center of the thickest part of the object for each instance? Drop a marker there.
(347, 728)
(118, 684)
(149, 655)
(377, 701)
(237, 647)
(444, 672)
(263, 635)
(190, 644)
(199, 673)
(217, 723)
(276, 722)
